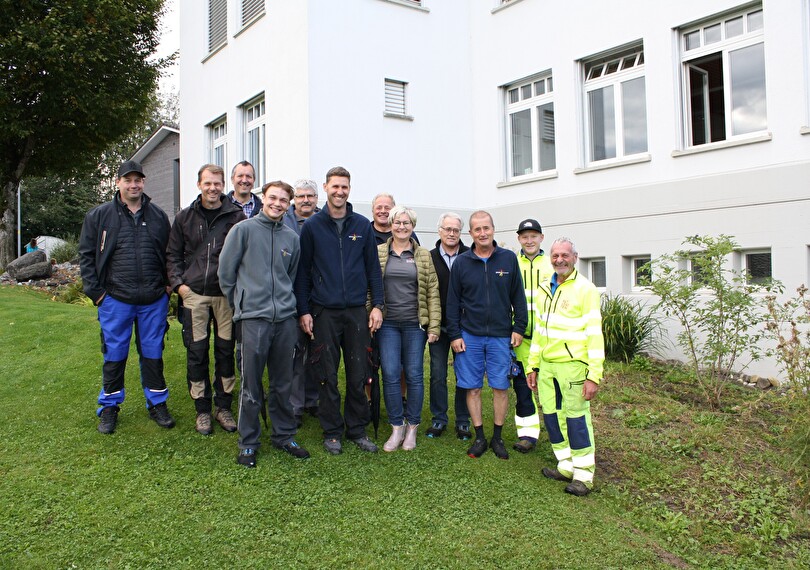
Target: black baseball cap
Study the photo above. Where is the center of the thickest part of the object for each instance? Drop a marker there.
(529, 224)
(130, 166)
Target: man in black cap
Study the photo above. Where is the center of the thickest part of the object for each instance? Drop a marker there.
(535, 268)
(123, 265)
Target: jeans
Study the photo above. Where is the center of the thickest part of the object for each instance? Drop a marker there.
(439, 352)
(402, 344)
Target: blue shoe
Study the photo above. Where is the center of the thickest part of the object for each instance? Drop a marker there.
(436, 430)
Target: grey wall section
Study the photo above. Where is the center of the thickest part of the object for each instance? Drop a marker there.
(159, 170)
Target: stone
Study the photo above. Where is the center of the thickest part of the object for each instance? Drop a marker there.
(763, 383)
(32, 265)
(774, 381)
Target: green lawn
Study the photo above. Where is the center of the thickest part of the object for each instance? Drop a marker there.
(146, 497)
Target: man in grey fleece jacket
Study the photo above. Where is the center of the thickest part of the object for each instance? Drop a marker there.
(257, 270)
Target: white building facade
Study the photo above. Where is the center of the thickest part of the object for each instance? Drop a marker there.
(625, 125)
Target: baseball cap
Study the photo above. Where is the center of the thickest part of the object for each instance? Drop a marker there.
(130, 166)
(529, 224)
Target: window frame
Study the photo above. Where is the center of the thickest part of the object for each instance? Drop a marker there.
(533, 103)
(616, 78)
(254, 118)
(744, 262)
(635, 269)
(587, 266)
(218, 138)
(723, 47)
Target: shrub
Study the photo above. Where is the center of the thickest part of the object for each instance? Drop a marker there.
(67, 251)
(73, 294)
(629, 328)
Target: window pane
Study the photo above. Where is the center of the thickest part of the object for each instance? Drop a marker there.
(513, 96)
(759, 267)
(755, 21)
(550, 82)
(526, 92)
(545, 116)
(253, 147)
(712, 34)
(612, 67)
(692, 40)
(734, 27)
(603, 123)
(629, 61)
(539, 87)
(595, 71)
(521, 124)
(634, 116)
(748, 113)
(598, 276)
(642, 271)
(219, 156)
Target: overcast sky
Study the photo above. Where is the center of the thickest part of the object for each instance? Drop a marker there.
(170, 42)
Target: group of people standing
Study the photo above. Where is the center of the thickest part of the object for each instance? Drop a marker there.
(288, 288)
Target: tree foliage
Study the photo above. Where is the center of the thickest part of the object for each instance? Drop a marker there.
(74, 77)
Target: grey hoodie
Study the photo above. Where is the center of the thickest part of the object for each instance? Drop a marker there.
(257, 269)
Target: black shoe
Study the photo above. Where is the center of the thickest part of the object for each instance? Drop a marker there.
(247, 457)
(436, 430)
(365, 444)
(551, 473)
(499, 448)
(161, 415)
(333, 446)
(294, 449)
(478, 448)
(577, 488)
(463, 432)
(108, 419)
(524, 445)
(312, 411)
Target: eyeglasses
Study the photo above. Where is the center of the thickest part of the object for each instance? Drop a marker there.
(307, 196)
(403, 223)
(451, 231)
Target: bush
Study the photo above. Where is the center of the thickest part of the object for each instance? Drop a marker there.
(67, 251)
(73, 294)
(629, 328)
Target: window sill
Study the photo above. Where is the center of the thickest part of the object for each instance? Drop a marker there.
(249, 23)
(408, 4)
(214, 52)
(804, 131)
(722, 144)
(614, 163)
(398, 116)
(545, 175)
(505, 5)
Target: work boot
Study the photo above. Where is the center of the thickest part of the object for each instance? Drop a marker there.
(225, 419)
(160, 413)
(478, 448)
(524, 445)
(499, 448)
(397, 435)
(577, 488)
(410, 437)
(108, 419)
(203, 424)
(551, 473)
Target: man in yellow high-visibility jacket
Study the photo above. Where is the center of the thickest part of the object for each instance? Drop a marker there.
(566, 359)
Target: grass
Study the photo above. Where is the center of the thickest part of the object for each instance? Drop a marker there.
(678, 485)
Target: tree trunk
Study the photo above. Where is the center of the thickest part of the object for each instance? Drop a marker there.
(8, 223)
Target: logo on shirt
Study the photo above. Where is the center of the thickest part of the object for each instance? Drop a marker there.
(501, 272)
(285, 252)
(410, 260)
(355, 237)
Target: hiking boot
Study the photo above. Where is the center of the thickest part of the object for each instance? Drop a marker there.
(436, 430)
(478, 448)
(365, 444)
(499, 448)
(333, 446)
(247, 457)
(203, 424)
(108, 419)
(294, 449)
(225, 419)
(551, 473)
(463, 432)
(577, 488)
(161, 415)
(410, 437)
(524, 445)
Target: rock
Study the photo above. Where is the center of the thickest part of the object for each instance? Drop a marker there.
(763, 383)
(30, 266)
(774, 381)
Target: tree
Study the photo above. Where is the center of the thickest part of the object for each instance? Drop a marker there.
(74, 77)
(56, 208)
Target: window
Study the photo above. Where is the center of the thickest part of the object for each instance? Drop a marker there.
(697, 272)
(219, 136)
(758, 267)
(255, 138)
(642, 276)
(217, 24)
(251, 10)
(723, 75)
(615, 104)
(530, 124)
(595, 269)
(395, 99)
